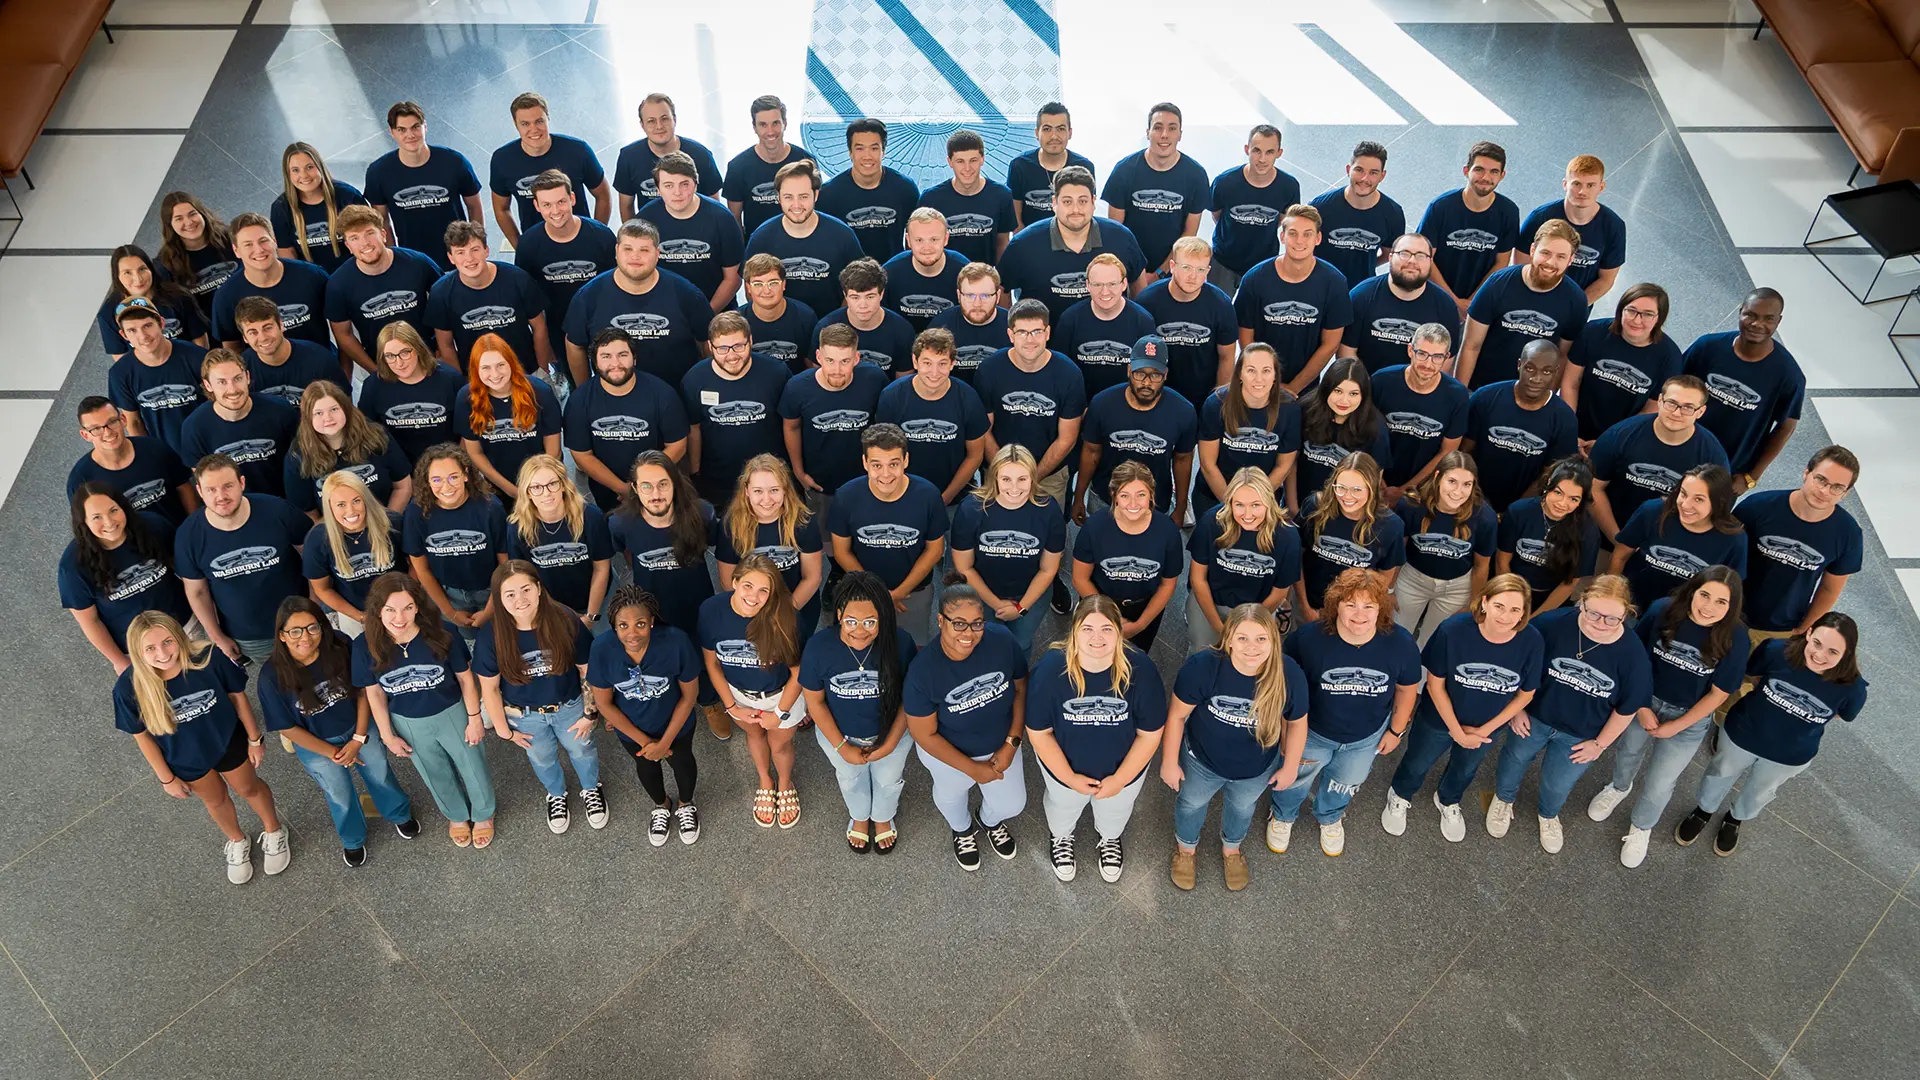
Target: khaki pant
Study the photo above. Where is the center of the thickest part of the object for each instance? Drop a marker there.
(1054, 485)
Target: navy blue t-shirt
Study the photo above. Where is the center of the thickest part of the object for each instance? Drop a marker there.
(937, 431)
(1038, 266)
(972, 344)
(1156, 201)
(737, 418)
(545, 686)
(785, 338)
(1666, 554)
(680, 586)
(1513, 445)
(1351, 238)
(1007, 545)
(1246, 219)
(749, 182)
(206, 721)
(702, 247)
(723, 632)
(320, 248)
(370, 302)
(1786, 557)
(505, 307)
(1745, 400)
(888, 346)
(423, 201)
(1784, 717)
(1153, 437)
(1242, 573)
(1466, 243)
(256, 442)
(1194, 331)
(1291, 316)
(1027, 407)
(301, 296)
(1482, 678)
(1638, 467)
(1095, 729)
(1102, 348)
(462, 546)
(354, 581)
(767, 541)
(667, 322)
(877, 217)
(1523, 533)
(1603, 241)
(211, 268)
(1316, 462)
(1618, 379)
(888, 537)
(565, 558)
(1432, 547)
(305, 365)
(1515, 314)
(151, 481)
(337, 712)
(970, 700)
(1257, 444)
(387, 467)
(1350, 688)
(831, 422)
(416, 415)
(1221, 729)
(512, 172)
(829, 666)
(616, 429)
(633, 169)
(164, 395)
(1383, 324)
(1128, 568)
(562, 269)
(1032, 183)
(1417, 424)
(812, 262)
(1681, 673)
(416, 682)
(919, 297)
(139, 583)
(249, 570)
(1325, 553)
(506, 444)
(973, 220)
(647, 692)
(1584, 683)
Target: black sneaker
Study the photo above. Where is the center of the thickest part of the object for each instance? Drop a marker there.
(966, 850)
(658, 821)
(407, 829)
(1112, 858)
(1060, 602)
(354, 856)
(1002, 840)
(596, 804)
(557, 817)
(1691, 827)
(1728, 837)
(688, 816)
(1063, 864)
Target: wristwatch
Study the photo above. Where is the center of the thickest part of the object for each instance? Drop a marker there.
(1014, 741)
(359, 737)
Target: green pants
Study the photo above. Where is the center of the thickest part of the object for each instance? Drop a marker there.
(445, 761)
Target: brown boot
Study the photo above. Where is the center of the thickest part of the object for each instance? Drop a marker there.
(1182, 868)
(1236, 867)
(719, 722)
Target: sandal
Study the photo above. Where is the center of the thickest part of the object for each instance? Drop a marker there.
(483, 833)
(859, 840)
(884, 839)
(789, 809)
(460, 832)
(763, 803)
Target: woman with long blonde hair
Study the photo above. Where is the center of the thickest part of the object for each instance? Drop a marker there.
(752, 655)
(504, 418)
(334, 435)
(768, 516)
(306, 213)
(1236, 727)
(185, 704)
(1095, 712)
(1244, 551)
(1007, 541)
(1343, 526)
(563, 534)
(356, 541)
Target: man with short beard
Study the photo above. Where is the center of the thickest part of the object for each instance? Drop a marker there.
(252, 430)
(1531, 302)
(1516, 428)
(978, 323)
(1356, 220)
(1141, 421)
(663, 313)
(238, 556)
(733, 407)
(1473, 229)
(379, 285)
(1389, 307)
(614, 418)
(1047, 260)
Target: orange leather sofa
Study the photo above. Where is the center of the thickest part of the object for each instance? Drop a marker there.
(1862, 58)
(41, 42)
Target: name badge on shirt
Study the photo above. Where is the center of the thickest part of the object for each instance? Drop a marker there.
(709, 397)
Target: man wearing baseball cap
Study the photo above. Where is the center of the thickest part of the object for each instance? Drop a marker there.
(1140, 421)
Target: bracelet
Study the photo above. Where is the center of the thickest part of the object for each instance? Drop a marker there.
(359, 737)
(256, 742)
(841, 743)
(169, 782)
(1401, 734)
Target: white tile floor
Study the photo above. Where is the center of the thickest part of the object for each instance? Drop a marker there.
(20, 421)
(203, 12)
(1723, 78)
(1841, 344)
(326, 12)
(1767, 184)
(1880, 430)
(93, 190)
(143, 79)
(1729, 11)
(48, 303)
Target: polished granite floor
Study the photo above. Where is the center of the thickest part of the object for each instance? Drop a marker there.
(760, 952)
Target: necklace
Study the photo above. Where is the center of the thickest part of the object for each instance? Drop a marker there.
(1581, 650)
(860, 659)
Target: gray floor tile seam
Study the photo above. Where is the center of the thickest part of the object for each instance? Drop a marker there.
(62, 830)
(1789, 822)
(848, 998)
(228, 981)
(44, 1007)
(1415, 1004)
(1837, 980)
(393, 943)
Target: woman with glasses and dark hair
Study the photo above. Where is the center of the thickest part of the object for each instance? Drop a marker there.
(119, 564)
(134, 274)
(1550, 539)
(454, 534)
(1337, 420)
(411, 393)
(1802, 684)
(645, 676)
(1668, 540)
(1451, 536)
(853, 673)
(307, 694)
(1617, 365)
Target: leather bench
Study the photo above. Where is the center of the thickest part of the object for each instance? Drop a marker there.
(41, 42)
(1862, 59)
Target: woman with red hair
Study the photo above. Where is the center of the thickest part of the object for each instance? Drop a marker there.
(504, 418)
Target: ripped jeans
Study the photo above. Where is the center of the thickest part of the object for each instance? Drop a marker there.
(1340, 769)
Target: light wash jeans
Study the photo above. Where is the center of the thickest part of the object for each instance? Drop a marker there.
(1200, 633)
(1763, 782)
(550, 731)
(1670, 758)
(469, 601)
(1064, 806)
(1422, 603)
(872, 791)
(1342, 766)
(1000, 800)
(1197, 788)
(1558, 772)
(1026, 626)
(343, 803)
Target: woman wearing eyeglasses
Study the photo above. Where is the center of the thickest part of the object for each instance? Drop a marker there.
(562, 534)
(645, 677)
(1550, 539)
(853, 673)
(411, 393)
(1596, 677)
(1007, 541)
(1343, 526)
(1617, 365)
(454, 535)
(1668, 540)
(1244, 551)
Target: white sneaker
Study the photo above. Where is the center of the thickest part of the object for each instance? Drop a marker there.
(1550, 838)
(1333, 838)
(659, 819)
(1499, 817)
(1605, 800)
(275, 852)
(1633, 850)
(1393, 816)
(239, 861)
(1279, 835)
(1453, 824)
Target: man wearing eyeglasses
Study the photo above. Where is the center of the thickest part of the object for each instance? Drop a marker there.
(733, 406)
(1643, 457)
(1425, 409)
(1035, 397)
(1804, 546)
(1388, 308)
(140, 467)
(978, 323)
(1754, 387)
(664, 313)
(780, 325)
(922, 280)
(615, 417)
(1099, 332)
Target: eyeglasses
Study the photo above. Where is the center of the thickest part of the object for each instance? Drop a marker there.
(1345, 489)
(732, 350)
(1681, 407)
(450, 480)
(1436, 357)
(649, 487)
(1030, 334)
(547, 488)
(769, 283)
(978, 296)
(1827, 485)
(963, 626)
(860, 624)
(310, 630)
(1640, 313)
(401, 353)
(95, 429)
(1608, 621)
(1416, 256)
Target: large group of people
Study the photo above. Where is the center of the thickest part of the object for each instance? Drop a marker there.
(782, 453)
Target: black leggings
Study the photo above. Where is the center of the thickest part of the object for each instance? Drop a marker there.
(685, 769)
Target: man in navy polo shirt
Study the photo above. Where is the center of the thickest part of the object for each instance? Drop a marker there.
(781, 327)
(252, 430)
(812, 247)
(420, 188)
(1030, 175)
(1196, 319)
(1357, 222)
(1473, 229)
(1035, 397)
(945, 423)
(1389, 307)
(1100, 331)
(978, 324)
(1297, 303)
(979, 211)
(486, 297)
(297, 288)
(1603, 235)
(1424, 407)
(894, 524)
(699, 239)
(824, 410)
(379, 285)
(1522, 304)
(1158, 192)
(1643, 457)
(749, 188)
(886, 339)
(562, 251)
(614, 418)
(871, 198)
(538, 149)
(733, 404)
(239, 557)
(664, 314)
(1048, 260)
(922, 280)
(1803, 545)
(1754, 387)
(1247, 203)
(1515, 429)
(634, 170)
(1140, 421)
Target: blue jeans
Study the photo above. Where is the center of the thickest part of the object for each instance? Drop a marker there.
(1341, 768)
(1026, 626)
(1670, 758)
(872, 791)
(550, 732)
(469, 601)
(1762, 784)
(336, 783)
(1425, 744)
(1558, 771)
(1238, 798)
